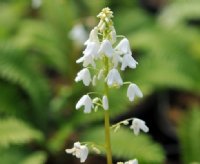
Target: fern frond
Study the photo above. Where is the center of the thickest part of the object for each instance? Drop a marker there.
(14, 131)
(16, 68)
(179, 12)
(127, 146)
(38, 157)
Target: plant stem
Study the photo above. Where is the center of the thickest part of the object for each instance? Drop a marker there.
(107, 119)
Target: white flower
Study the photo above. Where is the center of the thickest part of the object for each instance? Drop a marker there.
(134, 161)
(132, 91)
(36, 4)
(114, 78)
(138, 124)
(90, 53)
(85, 101)
(80, 151)
(93, 37)
(84, 75)
(78, 34)
(128, 61)
(105, 102)
(123, 46)
(106, 48)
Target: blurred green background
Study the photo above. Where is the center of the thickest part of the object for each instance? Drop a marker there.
(40, 40)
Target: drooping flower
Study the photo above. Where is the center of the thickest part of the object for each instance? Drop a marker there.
(85, 76)
(36, 4)
(90, 53)
(123, 46)
(106, 48)
(80, 151)
(93, 37)
(138, 124)
(78, 34)
(105, 102)
(85, 101)
(132, 91)
(128, 61)
(114, 78)
(134, 161)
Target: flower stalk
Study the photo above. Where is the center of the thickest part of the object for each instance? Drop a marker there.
(107, 118)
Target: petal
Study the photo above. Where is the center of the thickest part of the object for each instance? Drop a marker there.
(123, 46)
(81, 102)
(83, 153)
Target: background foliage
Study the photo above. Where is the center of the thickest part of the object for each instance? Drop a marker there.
(37, 70)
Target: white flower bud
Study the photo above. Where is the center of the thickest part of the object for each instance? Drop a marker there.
(105, 102)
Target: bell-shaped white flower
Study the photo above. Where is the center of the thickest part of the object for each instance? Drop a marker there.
(36, 4)
(106, 48)
(78, 34)
(134, 161)
(90, 53)
(105, 102)
(132, 91)
(114, 78)
(93, 37)
(128, 61)
(80, 151)
(123, 46)
(85, 76)
(85, 101)
(138, 124)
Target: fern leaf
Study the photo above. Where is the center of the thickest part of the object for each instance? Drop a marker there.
(14, 131)
(35, 158)
(127, 146)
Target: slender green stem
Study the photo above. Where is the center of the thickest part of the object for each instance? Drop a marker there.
(107, 120)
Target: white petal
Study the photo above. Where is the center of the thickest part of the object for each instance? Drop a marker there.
(93, 37)
(106, 48)
(138, 124)
(83, 153)
(88, 104)
(135, 161)
(128, 61)
(70, 151)
(81, 102)
(123, 46)
(105, 102)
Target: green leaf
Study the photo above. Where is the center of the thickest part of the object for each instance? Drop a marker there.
(14, 131)
(125, 145)
(38, 157)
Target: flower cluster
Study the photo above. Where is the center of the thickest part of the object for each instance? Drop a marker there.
(113, 57)
(102, 46)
